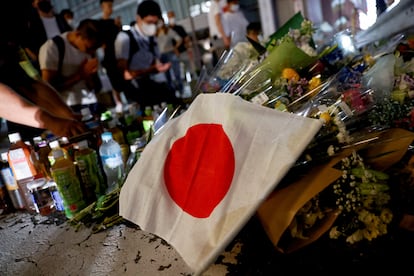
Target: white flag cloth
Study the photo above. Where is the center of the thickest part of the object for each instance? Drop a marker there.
(204, 175)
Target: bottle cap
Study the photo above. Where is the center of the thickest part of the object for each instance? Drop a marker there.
(86, 113)
(106, 136)
(37, 140)
(4, 156)
(64, 140)
(54, 144)
(83, 144)
(36, 184)
(14, 137)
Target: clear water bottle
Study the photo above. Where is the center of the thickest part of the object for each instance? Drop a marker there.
(113, 165)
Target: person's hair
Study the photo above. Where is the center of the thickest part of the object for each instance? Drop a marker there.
(91, 30)
(102, 1)
(66, 12)
(149, 7)
(254, 26)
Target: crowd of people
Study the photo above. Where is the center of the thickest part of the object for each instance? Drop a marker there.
(50, 69)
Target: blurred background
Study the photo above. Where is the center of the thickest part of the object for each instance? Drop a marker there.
(329, 16)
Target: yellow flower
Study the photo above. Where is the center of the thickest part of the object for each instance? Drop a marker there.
(290, 74)
(357, 236)
(386, 215)
(334, 233)
(314, 82)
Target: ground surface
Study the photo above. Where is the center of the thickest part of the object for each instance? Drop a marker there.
(36, 245)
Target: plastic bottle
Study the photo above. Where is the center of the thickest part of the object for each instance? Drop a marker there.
(43, 151)
(64, 174)
(19, 158)
(57, 198)
(23, 168)
(91, 176)
(11, 184)
(117, 133)
(118, 136)
(42, 196)
(112, 162)
(93, 124)
(55, 145)
(67, 147)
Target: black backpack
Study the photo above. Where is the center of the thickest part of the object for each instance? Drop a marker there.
(110, 64)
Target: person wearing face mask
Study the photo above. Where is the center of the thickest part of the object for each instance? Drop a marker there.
(218, 38)
(68, 15)
(138, 57)
(44, 23)
(234, 23)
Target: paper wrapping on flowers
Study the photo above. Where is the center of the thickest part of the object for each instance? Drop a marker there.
(287, 55)
(278, 211)
(229, 70)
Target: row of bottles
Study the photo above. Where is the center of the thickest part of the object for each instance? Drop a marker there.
(74, 172)
(31, 177)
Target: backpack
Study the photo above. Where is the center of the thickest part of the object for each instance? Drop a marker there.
(60, 44)
(110, 64)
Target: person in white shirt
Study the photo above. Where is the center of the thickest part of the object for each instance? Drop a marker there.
(170, 53)
(74, 80)
(138, 58)
(219, 40)
(234, 23)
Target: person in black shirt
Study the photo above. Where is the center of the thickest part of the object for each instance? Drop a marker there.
(43, 23)
(111, 27)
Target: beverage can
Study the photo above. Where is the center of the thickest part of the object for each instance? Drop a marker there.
(42, 196)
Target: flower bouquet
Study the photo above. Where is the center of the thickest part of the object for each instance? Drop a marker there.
(349, 196)
(231, 67)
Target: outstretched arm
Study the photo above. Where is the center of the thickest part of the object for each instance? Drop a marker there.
(15, 108)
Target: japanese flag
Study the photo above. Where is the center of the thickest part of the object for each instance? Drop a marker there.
(204, 175)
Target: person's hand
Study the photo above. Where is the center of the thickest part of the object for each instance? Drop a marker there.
(66, 127)
(163, 67)
(89, 67)
(128, 75)
(226, 41)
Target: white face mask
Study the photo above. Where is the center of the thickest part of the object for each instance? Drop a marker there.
(171, 21)
(70, 22)
(148, 29)
(234, 7)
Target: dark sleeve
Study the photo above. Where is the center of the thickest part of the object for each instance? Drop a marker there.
(181, 31)
(62, 24)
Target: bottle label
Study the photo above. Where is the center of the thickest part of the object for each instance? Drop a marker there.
(260, 98)
(20, 164)
(90, 174)
(70, 190)
(8, 178)
(112, 161)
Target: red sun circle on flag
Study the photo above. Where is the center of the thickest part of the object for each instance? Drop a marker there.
(199, 169)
